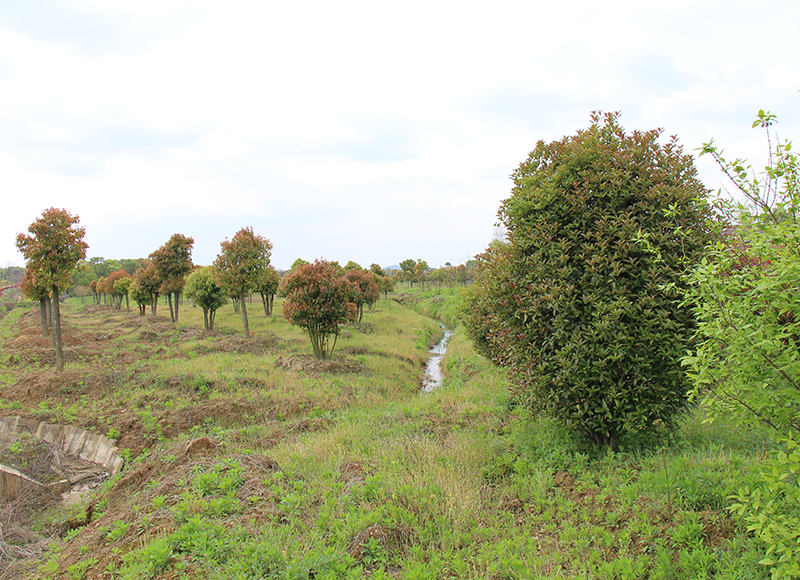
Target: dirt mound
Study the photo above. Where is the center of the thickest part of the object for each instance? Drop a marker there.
(310, 425)
(393, 541)
(37, 386)
(201, 446)
(314, 366)
(242, 345)
(223, 412)
(144, 500)
(32, 340)
(352, 473)
(31, 347)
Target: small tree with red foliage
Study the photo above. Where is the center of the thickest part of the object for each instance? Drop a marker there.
(267, 287)
(319, 299)
(241, 264)
(147, 280)
(173, 262)
(53, 249)
(367, 291)
(35, 291)
(117, 285)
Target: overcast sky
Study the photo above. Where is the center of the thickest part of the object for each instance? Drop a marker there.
(367, 131)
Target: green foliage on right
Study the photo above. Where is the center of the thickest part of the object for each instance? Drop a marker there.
(747, 364)
(582, 303)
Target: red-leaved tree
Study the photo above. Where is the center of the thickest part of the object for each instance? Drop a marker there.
(36, 291)
(367, 291)
(241, 265)
(148, 281)
(267, 287)
(52, 250)
(117, 285)
(173, 262)
(319, 299)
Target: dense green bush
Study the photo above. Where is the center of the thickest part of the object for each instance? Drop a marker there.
(583, 302)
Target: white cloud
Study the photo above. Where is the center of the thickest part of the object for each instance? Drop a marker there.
(323, 125)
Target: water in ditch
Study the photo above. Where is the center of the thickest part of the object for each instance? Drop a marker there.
(433, 369)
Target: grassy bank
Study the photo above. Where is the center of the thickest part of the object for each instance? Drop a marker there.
(344, 470)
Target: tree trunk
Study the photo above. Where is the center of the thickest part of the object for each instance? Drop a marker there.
(154, 303)
(211, 316)
(43, 317)
(177, 301)
(265, 302)
(57, 330)
(171, 311)
(127, 303)
(205, 319)
(244, 314)
(271, 304)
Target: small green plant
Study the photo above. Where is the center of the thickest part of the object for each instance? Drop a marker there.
(159, 502)
(689, 532)
(375, 555)
(117, 530)
(77, 571)
(201, 385)
(148, 561)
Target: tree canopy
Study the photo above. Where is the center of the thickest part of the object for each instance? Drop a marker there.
(366, 288)
(319, 299)
(584, 302)
(267, 287)
(52, 250)
(240, 266)
(204, 290)
(173, 262)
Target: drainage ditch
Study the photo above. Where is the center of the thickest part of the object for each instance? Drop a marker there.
(433, 368)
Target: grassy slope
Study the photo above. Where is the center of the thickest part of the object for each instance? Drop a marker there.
(347, 472)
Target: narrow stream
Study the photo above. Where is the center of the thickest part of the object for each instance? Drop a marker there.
(433, 369)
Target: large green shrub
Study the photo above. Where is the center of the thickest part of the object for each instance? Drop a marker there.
(747, 364)
(583, 301)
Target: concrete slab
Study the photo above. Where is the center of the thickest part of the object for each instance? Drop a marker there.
(68, 439)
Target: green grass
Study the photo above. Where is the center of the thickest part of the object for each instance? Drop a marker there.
(352, 473)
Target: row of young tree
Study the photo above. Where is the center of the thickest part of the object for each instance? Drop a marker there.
(623, 293)
(418, 272)
(320, 296)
